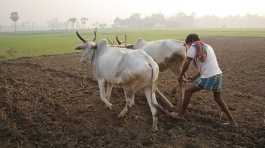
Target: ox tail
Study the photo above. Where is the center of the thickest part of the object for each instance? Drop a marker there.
(153, 79)
(153, 90)
(152, 82)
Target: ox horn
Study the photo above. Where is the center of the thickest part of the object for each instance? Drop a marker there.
(95, 35)
(125, 39)
(118, 41)
(80, 37)
(110, 41)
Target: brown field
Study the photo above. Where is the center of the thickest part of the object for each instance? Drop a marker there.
(53, 101)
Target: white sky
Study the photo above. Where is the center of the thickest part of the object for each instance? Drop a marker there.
(39, 11)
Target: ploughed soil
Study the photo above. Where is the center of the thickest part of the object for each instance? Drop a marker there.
(53, 101)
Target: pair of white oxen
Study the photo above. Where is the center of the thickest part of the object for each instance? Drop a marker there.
(134, 70)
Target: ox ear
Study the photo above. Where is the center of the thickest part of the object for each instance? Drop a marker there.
(81, 47)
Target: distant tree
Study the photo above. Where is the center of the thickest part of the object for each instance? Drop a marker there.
(102, 26)
(53, 24)
(73, 21)
(83, 21)
(155, 20)
(14, 17)
(253, 20)
(181, 20)
(32, 26)
(134, 20)
(117, 22)
(211, 21)
(95, 25)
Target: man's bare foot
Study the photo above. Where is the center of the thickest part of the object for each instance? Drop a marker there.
(176, 115)
(235, 124)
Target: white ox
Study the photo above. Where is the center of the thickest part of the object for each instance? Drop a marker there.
(169, 54)
(132, 70)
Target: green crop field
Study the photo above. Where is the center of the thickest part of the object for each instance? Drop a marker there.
(25, 44)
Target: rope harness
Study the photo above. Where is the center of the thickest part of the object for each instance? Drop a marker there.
(201, 52)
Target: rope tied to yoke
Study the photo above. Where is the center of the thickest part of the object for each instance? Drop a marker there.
(201, 52)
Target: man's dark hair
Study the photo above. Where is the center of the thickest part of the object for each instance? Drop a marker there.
(192, 38)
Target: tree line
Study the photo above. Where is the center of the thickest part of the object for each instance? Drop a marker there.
(179, 20)
(182, 20)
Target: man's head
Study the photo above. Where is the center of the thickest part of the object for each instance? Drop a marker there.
(191, 38)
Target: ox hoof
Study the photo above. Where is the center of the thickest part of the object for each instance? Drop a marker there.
(109, 106)
(235, 124)
(131, 104)
(122, 113)
(176, 115)
(155, 129)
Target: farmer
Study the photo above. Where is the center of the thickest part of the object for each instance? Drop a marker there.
(209, 76)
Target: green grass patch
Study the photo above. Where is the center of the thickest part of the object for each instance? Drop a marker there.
(14, 45)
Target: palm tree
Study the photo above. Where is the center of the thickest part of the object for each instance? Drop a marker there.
(14, 17)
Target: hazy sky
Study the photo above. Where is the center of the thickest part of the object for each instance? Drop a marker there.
(106, 10)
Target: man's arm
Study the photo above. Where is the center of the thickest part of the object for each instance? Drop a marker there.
(185, 68)
(196, 76)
